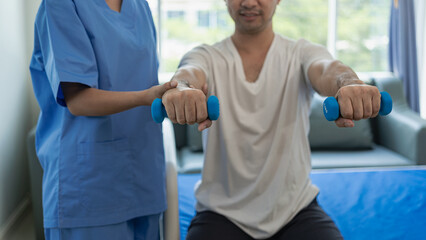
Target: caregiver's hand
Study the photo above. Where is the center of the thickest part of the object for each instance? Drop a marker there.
(159, 90)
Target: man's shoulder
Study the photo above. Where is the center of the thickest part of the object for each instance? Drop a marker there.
(217, 49)
(218, 46)
(284, 40)
(299, 46)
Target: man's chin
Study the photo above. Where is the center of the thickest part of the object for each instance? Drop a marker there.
(250, 29)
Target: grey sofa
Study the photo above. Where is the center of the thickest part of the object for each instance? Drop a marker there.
(398, 139)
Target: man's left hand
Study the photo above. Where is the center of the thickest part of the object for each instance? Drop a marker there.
(356, 102)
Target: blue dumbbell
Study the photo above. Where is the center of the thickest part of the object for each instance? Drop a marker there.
(332, 113)
(159, 112)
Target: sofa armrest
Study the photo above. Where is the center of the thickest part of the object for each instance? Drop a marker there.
(402, 131)
(171, 229)
(169, 142)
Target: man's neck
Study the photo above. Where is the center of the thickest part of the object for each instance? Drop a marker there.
(114, 4)
(253, 42)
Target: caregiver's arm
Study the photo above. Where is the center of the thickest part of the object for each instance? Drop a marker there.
(357, 100)
(82, 100)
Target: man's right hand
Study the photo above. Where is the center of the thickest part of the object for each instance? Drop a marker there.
(187, 105)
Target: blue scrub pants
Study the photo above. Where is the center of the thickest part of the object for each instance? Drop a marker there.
(141, 228)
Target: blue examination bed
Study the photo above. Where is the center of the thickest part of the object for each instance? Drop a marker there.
(365, 204)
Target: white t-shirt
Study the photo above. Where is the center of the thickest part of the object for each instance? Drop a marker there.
(257, 156)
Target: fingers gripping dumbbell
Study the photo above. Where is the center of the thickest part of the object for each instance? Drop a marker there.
(332, 112)
(159, 112)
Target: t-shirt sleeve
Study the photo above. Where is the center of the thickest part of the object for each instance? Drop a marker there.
(65, 46)
(311, 52)
(198, 57)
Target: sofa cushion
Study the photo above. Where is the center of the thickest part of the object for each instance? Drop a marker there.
(378, 156)
(325, 135)
(194, 138)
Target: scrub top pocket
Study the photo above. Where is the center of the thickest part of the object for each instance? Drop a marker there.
(105, 176)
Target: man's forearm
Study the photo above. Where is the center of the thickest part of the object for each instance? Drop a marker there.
(329, 76)
(190, 76)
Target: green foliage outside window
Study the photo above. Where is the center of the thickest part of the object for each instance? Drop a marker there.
(362, 30)
(302, 19)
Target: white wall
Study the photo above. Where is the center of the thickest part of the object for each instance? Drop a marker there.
(17, 109)
(420, 14)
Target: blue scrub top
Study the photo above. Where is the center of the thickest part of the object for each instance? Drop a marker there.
(97, 170)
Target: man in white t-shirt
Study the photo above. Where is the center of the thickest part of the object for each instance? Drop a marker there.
(255, 181)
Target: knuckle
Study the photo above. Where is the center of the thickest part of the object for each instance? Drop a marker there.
(165, 99)
(367, 114)
(342, 92)
(357, 116)
(190, 119)
(199, 120)
(173, 119)
(201, 95)
(368, 111)
(171, 116)
(376, 108)
(346, 114)
(202, 116)
(168, 98)
(181, 120)
(190, 114)
(375, 90)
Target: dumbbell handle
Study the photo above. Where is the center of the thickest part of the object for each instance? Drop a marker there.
(158, 111)
(332, 112)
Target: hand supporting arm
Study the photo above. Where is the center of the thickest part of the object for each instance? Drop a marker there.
(85, 101)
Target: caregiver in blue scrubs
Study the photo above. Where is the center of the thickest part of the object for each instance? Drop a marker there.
(94, 72)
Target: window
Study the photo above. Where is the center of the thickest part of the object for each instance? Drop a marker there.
(204, 19)
(222, 17)
(175, 14)
(355, 31)
(363, 34)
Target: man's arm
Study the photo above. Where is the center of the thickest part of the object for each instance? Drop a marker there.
(356, 99)
(192, 75)
(85, 101)
(187, 103)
